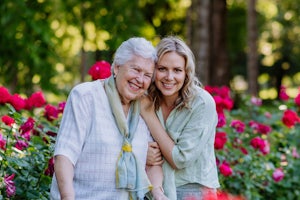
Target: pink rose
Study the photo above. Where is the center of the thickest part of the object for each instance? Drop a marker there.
(256, 101)
(10, 185)
(277, 175)
(2, 142)
(20, 144)
(238, 125)
(297, 100)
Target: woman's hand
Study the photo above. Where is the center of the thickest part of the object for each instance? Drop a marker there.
(154, 156)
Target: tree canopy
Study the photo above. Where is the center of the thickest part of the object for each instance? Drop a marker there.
(50, 45)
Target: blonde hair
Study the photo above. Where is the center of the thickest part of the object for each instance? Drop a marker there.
(188, 90)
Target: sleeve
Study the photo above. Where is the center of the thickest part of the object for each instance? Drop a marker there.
(197, 134)
(74, 125)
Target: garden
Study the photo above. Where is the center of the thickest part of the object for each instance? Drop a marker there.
(256, 144)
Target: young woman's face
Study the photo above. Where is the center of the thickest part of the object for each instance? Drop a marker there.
(170, 74)
(133, 78)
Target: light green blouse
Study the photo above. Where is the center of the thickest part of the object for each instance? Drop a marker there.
(193, 131)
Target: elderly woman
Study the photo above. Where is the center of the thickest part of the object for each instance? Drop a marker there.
(183, 122)
(101, 148)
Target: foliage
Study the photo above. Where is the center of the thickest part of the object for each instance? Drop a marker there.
(27, 134)
(27, 45)
(49, 44)
(256, 146)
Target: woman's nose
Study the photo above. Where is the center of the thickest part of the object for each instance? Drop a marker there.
(140, 77)
(169, 76)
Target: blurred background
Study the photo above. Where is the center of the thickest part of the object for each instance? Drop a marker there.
(251, 46)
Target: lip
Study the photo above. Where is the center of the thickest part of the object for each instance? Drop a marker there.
(133, 86)
(168, 85)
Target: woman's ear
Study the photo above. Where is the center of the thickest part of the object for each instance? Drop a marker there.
(116, 70)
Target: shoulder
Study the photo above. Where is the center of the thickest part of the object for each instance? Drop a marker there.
(87, 92)
(87, 86)
(202, 97)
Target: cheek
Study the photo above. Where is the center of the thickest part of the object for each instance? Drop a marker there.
(158, 76)
(147, 83)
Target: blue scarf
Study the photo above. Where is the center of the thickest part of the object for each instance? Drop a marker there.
(130, 173)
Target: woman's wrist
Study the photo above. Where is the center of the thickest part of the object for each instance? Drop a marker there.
(157, 191)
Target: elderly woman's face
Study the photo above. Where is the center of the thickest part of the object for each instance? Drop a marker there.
(133, 78)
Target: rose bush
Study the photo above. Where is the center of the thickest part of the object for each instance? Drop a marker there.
(257, 144)
(28, 128)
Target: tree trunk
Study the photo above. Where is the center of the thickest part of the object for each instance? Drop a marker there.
(219, 65)
(252, 55)
(198, 34)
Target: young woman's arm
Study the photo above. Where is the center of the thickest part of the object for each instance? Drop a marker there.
(166, 144)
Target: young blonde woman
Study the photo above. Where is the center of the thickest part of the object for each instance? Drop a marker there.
(182, 119)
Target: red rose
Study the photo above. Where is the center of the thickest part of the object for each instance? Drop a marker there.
(297, 100)
(290, 118)
(220, 140)
(50, 169)
(8, 120)
(262, 145)
(17, 102)
(51, 112)
(224, 91)
(37, 100)
(256, 142)
(27, 126)
(225, 169)
(282, 94)
(228, 103)
(100, 70)
(264, 129)
(4, 95)
(221, 120)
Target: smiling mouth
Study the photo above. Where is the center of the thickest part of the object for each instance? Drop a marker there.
(134, 86)
(168, 85)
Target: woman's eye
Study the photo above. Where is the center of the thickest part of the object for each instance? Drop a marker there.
(148, 76)
(161, 69)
